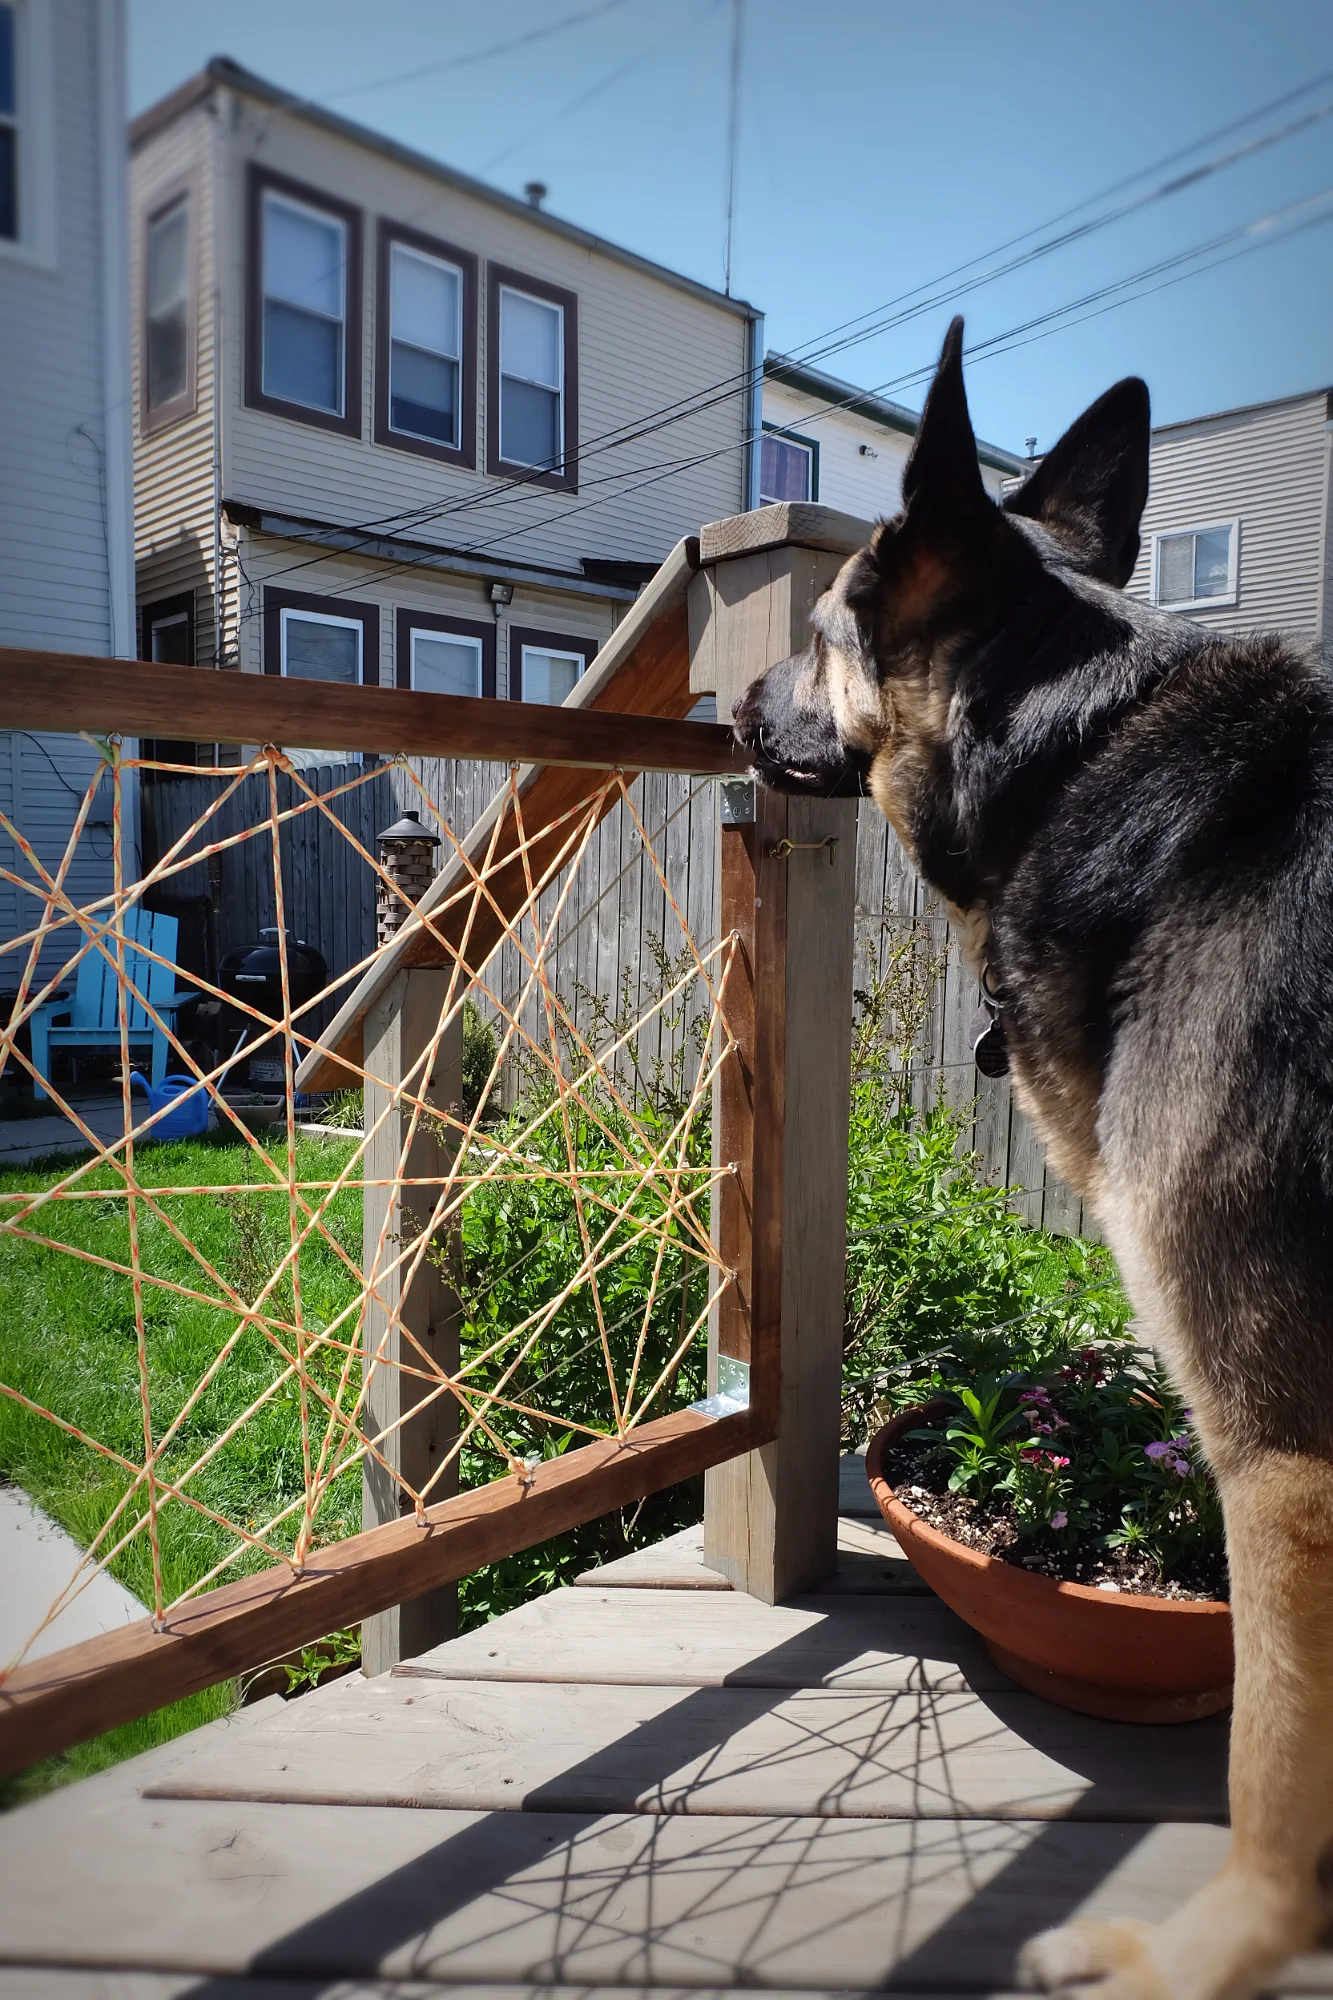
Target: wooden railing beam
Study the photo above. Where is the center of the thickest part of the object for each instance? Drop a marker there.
(79, 1692)
(74, 691)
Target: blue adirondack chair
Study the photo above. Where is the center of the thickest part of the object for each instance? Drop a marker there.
(92, 1020)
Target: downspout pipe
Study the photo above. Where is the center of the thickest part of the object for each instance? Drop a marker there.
(753, 406)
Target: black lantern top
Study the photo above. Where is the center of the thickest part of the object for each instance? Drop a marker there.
(408, 831)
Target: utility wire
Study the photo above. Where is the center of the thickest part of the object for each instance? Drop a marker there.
(1022, 335)
(498, 495)
(699, 402)
(733, 131)
(604, 83)
(821, 345)
(1016, 336)
(470, 58)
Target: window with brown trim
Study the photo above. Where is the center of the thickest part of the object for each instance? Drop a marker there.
(166, 361)
(425, 346)
(321, 638)
(437, 654)
(315, 638)
(532, 379)
(546, 666)
(303, 304)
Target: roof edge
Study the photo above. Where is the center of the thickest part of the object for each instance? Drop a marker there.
(223, 73)
(1248, 409)
(878, 409)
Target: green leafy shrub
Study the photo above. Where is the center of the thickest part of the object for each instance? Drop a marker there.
(521, 1240)
(1056, 1414)
(479, 1052)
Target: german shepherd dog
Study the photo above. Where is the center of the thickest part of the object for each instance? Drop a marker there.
(1131, 819)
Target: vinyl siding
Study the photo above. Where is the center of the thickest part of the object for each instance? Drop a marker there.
(642, 344)
(43, 802)
(54, 567)
(173, 465)
(870, 487)
(1267, 468)
(53, 551)
(267, 559)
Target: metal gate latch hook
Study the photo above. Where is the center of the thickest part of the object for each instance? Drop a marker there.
(785, 847)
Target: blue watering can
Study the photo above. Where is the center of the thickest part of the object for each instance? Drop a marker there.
(181, 1117)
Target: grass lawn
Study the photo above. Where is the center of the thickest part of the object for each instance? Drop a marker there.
(67, 1340)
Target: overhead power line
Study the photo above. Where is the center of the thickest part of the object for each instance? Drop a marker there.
(1246, 238)
(471, 57)
(515, 489)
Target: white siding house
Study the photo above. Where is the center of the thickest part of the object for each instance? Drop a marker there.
(392, 425)
(66, 536)
(829, 441)
(1236, 533)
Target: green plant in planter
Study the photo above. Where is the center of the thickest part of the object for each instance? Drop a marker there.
(1094, 1450)
(977, 1435)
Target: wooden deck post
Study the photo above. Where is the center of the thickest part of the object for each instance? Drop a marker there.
(400, 1024)
(770, 1517)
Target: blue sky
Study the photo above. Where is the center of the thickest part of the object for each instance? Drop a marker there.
(881, 144)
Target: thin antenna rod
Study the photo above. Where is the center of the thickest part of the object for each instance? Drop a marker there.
(733, 131)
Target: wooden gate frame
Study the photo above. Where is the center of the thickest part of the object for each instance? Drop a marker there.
(780, 1221)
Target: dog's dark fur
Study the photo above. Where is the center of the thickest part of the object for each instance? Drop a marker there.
(1132, 820)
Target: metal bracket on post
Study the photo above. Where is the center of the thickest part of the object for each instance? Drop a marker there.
(738, 802)
(733, 1389)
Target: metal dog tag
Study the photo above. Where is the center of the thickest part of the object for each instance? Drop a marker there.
(987, 1033)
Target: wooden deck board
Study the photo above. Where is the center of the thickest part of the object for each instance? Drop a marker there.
(704, 1638)
(854, 1495)
(870, 1563)
(639, 1900)
(69, 1983)
(829, 1796)
(497, 1746)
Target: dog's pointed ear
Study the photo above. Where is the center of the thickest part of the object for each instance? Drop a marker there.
(1091, 487)
(942, 471)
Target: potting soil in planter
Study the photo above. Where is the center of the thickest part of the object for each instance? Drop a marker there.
(919, 1475)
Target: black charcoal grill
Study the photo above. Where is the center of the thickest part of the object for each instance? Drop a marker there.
(252, 975)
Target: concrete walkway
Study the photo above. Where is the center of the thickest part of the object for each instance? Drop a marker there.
(25, 1139)
(37, 1560)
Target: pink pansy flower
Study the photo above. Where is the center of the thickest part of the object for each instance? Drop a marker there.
(1059, 1518)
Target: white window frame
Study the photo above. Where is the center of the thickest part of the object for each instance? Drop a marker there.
(811, 449)
(558, 389)
(34, 122)
(415, 632)
(330, 219)
(442, 264)
(289, 613)
(1232, 592)
(550, 653)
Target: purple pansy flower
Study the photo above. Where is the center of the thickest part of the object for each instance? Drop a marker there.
(1059, 1518)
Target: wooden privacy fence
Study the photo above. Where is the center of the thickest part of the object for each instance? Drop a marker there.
(750, 1236)
(615, 920)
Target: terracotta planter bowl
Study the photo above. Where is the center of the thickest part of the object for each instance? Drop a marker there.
(1116, 1654)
